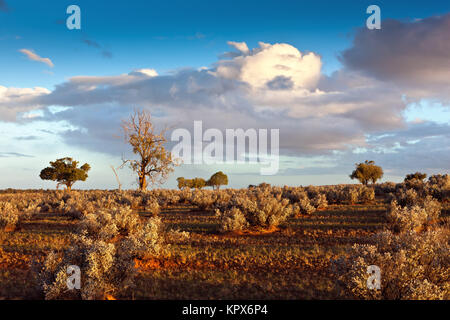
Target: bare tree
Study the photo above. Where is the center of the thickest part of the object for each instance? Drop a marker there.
(117, 177)
(154, 161)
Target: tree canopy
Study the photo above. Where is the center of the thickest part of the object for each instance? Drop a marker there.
(66, 172)
(367, 172)
(415, 176)
(154, 161)
(196, 183)
(217, 179)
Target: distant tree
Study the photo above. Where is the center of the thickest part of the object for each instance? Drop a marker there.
(66, 172)
(415, 176)
(154, 161)
(367, 172)
(197, 183)
(181, 183)
(217, 179)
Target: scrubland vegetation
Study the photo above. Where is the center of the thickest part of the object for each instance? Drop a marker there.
(263, 242)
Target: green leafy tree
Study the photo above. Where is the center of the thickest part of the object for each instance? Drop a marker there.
(367, 172)
(218, 179)
(66, 172)
(415, 176)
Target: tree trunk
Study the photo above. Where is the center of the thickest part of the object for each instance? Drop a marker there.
(142, 183)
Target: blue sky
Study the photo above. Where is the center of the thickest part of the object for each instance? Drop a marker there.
(174, 34)
(170, 36)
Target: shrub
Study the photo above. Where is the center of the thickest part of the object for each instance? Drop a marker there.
(414, 217)
(352, 195)
(95, 259)
(385, 188)
(204, 200)
(232, 220)
(105, 249)
(320, 201)
(9, 215)
(366, 194)
(177, 235)
(413, 266)
(440, 180)
(415, 176)
(408, 197)
(259, 207)
(151, 205)
(306, 207)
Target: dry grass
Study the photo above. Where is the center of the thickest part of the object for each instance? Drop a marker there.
(290, 261)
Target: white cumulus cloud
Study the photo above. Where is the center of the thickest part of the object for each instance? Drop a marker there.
(272, 66)
(15, 100)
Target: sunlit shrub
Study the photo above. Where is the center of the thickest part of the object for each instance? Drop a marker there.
(9, 215)
(232, 220)
(259, 207)
(413, 266)
(305, 206)
(407, 197)
(413, 217)
(105, 249)
(366, 194)
(320, 201)
(177, 235)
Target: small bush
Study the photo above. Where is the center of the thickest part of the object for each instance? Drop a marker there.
(259, 207)
(9, 215)
(105, 249)
(413, 217)
(232, 220)
(320, 201)
(413, 266)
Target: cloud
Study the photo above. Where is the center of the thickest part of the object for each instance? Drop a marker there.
(421, 147)
(412, 55)
(196, 36)
(17, 100)
(91, 43)
(33, 56)
(261, 65)
(240, 46)
(418, 147)
(271, 86)
(14, 155)
(26, 138)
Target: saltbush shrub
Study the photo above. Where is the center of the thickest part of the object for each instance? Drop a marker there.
(105, 248)
(413, 266)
